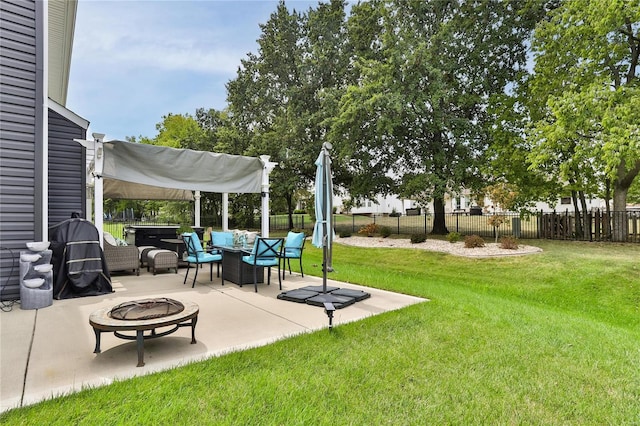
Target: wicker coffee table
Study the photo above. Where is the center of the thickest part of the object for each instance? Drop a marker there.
(101, 321)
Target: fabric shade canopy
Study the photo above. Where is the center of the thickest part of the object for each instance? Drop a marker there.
(146, 172)
(121, 190)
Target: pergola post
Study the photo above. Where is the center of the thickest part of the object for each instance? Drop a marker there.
(225, 211)
(266, 171)
(197, 208)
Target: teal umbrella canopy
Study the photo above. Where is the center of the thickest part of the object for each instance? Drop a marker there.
(323, 229)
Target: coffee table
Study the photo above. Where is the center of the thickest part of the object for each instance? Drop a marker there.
(234, 269)
(102, 322)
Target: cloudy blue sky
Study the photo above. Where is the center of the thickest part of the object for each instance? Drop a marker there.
(136, 61)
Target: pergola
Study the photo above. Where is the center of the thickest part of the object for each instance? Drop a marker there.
(150, 172)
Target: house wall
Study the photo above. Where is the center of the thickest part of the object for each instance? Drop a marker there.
(22, 133)
(67, 177)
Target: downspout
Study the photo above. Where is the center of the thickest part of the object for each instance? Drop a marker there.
(41, 164)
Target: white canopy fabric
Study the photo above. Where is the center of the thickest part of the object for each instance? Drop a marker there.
(145, 172)
(121, 190)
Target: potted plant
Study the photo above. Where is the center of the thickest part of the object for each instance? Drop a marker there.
(182, 229)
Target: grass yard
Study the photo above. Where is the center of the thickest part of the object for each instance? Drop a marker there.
(552, 338)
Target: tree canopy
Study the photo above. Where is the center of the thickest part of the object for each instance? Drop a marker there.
(416, 120)
(585, 87)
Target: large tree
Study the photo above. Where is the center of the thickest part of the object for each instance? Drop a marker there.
(283, 94)
(417, 118)
(586, 84)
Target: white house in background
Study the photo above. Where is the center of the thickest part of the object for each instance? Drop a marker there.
(384, 205)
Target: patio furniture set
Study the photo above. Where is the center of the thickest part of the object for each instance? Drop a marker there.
(241, 255)
(244, 257)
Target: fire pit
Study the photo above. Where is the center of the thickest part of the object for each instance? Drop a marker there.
(146, 309)
(144, 315)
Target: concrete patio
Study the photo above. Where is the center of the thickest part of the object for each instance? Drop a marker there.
(49, 352)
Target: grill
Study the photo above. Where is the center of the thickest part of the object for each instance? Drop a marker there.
(146, 309)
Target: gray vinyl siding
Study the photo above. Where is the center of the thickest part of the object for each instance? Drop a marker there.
(21, 133)
(67, 175)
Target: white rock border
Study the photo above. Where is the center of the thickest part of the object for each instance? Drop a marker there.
(457, 249)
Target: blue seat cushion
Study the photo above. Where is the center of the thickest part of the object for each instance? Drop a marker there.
(204, 258)
(269, 261)
(292, 252)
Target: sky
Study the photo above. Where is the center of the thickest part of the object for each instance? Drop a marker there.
(134, 62)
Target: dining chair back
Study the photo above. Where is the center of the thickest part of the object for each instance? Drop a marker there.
(197, 256)
(293, 247)
(266, 253)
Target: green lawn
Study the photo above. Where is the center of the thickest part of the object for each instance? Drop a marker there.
(551, 338)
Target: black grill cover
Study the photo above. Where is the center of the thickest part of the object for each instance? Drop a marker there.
(79, 267)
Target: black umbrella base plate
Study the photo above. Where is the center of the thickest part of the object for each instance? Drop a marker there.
(339, 302)
(340, 298)
(318, 288)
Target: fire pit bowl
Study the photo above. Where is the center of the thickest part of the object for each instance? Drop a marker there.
(144, 315)
(146, 309)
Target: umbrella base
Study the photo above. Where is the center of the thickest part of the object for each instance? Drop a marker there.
(312, 295)
(339, 302)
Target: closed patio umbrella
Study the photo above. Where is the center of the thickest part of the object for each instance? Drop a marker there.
(323, 230)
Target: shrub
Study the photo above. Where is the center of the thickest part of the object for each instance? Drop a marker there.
(453, 237)
(369, 229)
(473, 241)
(385, 231)
(345, 234)
(184, 228)
(508, 242)
(418, 238)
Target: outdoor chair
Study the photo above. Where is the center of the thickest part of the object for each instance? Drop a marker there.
(293, 246)
(266, 253)
(197, 256)
(120, 257)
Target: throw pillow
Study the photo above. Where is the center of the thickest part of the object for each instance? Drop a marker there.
(110, 239)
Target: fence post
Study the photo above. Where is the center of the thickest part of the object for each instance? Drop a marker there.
(398, 225)
(539, 223)
(457, 222)
(353, 223)
(425, 223)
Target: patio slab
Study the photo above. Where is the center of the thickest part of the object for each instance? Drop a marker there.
(49, 352)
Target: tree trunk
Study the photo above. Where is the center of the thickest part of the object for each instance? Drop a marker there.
(624, 179)
(576, 212)
(439, 223)
(586, 222)
(620, 221)
(608, 205)
(289, 198)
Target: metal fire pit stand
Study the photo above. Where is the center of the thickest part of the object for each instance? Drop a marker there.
(102, 322)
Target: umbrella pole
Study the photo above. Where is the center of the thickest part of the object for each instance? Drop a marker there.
(324, 267)
(324, 222)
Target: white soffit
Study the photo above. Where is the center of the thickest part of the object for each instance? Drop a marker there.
(62, 19)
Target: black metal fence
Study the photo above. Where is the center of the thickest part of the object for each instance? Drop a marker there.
(591, 226)
(595, 225)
